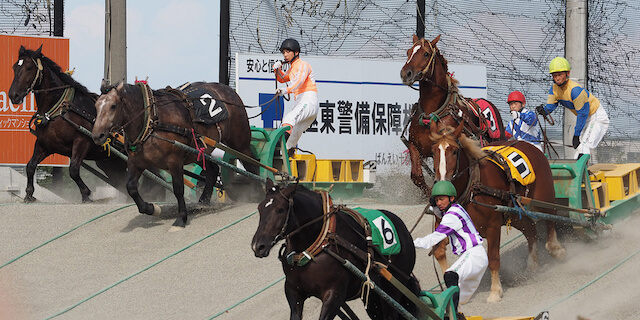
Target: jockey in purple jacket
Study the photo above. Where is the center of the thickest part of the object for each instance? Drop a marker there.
(465, 241)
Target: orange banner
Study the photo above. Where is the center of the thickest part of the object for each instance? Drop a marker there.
(16, 142)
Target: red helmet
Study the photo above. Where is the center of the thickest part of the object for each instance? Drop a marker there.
(516, 96)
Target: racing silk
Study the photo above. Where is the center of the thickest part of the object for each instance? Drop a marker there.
(526, 127)
(456, 224)
(575, 98)
(301, 77)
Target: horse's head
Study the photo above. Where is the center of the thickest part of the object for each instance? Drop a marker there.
(452, 150)
(274, 217)
(27, 73)
(445, 148)
(109, 112)
(421, 61)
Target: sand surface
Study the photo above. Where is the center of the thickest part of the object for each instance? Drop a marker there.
(107, 261)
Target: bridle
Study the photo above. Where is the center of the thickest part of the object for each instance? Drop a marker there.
(281, 235)
(37, 79)
(430, 65)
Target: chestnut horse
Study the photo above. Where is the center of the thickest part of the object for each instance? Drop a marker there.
(62, 104)
(480, 182)
(440, 99)
(304, 219)
(153, 119)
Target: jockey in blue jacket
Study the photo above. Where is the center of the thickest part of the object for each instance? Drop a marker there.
(592, 122)
(524, 125)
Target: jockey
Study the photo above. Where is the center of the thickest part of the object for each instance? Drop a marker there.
(524, 125)
(592, 121)
(303, 87)
(465, 240)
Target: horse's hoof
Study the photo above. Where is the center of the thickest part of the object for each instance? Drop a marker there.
(87, 200)
(29, 199)
(494, 297)
(175, 229)
(157, 210)
(557, 252)
(205, 202)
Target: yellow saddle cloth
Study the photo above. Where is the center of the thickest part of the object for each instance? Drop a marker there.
(518, 163)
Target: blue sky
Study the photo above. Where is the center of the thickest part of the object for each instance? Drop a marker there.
(170, 41)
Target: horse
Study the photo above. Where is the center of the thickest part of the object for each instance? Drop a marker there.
(481, 183)
(304, 218)
(62, 105)
(440, 100)
(153, 119)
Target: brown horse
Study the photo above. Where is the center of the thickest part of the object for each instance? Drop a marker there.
(440, 99)
(305, 220)
(62, 104)
(481, 182)
(153, 119)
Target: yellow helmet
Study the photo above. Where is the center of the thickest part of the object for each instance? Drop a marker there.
(559, 64)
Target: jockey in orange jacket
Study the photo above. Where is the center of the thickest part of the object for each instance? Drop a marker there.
(303, 86)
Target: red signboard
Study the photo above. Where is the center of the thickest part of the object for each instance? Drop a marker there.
(16, 142)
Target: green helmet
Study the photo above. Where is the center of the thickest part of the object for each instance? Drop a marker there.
(444, 188)
(559, 64)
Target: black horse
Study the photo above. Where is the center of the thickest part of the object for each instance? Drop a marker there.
(153, 119)
(62, 104)
(299, 215)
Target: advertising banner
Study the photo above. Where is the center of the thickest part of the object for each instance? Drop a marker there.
(16, 142)
(363, 104)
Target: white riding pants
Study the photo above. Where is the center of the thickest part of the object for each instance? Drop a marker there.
(470, 268)
(594, 129)
(302, 115)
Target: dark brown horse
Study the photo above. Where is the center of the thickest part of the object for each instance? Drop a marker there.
(440, 99)
(300, 217)
(58, 98)
(153, 119)
(460, 159)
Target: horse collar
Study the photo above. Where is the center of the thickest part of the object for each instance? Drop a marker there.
(149, 117)
(328, 227)
(57, 109)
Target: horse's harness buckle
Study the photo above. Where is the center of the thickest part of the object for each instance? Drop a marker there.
(42, 121)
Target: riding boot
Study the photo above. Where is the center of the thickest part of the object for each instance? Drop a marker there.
(451, 279)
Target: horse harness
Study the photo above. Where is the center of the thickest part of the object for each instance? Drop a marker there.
(60, 108)
(475, 186)
(327, 236)
(151, 122)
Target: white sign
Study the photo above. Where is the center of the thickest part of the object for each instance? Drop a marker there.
(363, 104)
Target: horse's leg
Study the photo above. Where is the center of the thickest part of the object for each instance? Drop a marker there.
(177, 171)
(132, 189)
(331, 302)
(530, 232)
(440, 250)
(295, 300)
(78, 153)
(554, 247)
(416, 170)
(211, 174)
(38, 155)
(493, 253)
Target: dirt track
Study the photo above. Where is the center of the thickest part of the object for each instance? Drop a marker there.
(127, 266)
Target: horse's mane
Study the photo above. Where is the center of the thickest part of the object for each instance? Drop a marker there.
(54, 67)
(470, 145)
